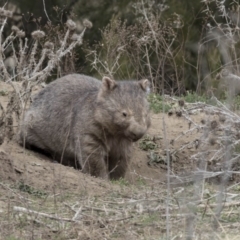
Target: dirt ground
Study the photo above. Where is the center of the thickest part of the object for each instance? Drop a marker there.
(24, 172)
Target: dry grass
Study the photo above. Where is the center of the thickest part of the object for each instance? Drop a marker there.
(134, 212)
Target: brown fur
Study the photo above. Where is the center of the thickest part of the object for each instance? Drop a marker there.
(81, 120)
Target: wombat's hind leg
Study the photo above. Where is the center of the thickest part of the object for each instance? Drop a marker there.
(30, 140)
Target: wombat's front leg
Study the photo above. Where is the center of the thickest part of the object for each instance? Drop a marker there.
(118, 159)
(118, 162)
(92, 158)
(117, 169)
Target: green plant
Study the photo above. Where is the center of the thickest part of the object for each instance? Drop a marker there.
(141, 181)
(30, 190)
(192, 97)
(147, 143)
(149, 219)
(236, 103)
(237, 149)
(157, 103)
(121, 182)
(3, 93)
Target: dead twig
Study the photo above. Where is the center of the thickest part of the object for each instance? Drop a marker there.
(28, 211)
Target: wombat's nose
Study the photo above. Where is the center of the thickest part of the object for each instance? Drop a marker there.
(136, 135)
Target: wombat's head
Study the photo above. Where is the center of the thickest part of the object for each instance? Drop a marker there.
(122, 107)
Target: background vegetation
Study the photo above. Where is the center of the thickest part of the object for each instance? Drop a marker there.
(178, 45)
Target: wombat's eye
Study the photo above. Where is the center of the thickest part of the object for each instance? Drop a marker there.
(124, 114)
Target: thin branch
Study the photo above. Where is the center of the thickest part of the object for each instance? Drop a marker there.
(44, 6)
(28, 211)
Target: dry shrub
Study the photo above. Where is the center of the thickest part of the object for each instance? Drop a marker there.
(31, 62)
(146, 49)
(218, 49)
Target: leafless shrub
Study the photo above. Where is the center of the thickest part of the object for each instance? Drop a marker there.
(31, 64)
(218, 49)
(147, 48)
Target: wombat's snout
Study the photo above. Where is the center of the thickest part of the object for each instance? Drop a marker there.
(136, 134)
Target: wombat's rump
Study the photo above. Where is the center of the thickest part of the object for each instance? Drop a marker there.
(82, 121)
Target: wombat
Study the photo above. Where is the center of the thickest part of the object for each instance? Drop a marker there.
(83, 121)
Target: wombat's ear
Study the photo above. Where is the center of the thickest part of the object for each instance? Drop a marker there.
(108, 83)
(145, 85)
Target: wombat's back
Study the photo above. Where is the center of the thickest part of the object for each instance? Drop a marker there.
(47, 123)
(66, 90)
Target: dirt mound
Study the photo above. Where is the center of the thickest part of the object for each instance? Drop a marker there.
(39, 171)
